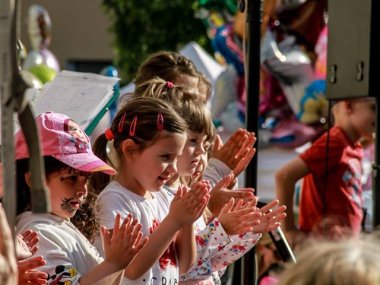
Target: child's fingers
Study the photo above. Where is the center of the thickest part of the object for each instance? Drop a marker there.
(241, 143)
(130, 226)
(253, 203)
(105, 234)
(137, 240)
(33, 241)
(273, 226)
(26, 234)
(273, 213)
(31, 263)
(276, 216)
(237, 138)
(238, 204)
(116, 225)
(218, 143)
(178, 195)
(141, 244)
(245, 194)
(198, 190)
(227, 207)
(35, 277)
(242, 212)
(34, 249)
(244, 161)
(203, 205)
(269, 206)
(224, 182)
(123, 231)
(136, 231)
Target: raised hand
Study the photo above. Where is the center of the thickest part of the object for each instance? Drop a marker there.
(238, 147)
(188, 205)
(237, 219)
(220, 195)
(122, 243)
(26, 244)
(27, 273)
(270, 219)
(245, 158)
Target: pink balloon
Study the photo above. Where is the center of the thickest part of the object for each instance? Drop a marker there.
(49, 59)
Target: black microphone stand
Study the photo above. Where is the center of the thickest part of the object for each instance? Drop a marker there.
(252, 81)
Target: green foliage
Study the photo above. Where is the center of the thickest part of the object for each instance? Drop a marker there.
(141, 27)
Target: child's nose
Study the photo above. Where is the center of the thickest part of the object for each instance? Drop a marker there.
(172, 168)
(82, 186)
(81, 191)
(200, 149)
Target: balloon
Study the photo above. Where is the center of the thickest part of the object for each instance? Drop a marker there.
(34, 58)
(289, 64)
(39, 27)
(43, 73)
(49, 59)
(40, 61)
(31, 79)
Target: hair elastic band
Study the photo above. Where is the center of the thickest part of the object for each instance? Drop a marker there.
(121, 123)
(132, 127)
(160, 122)
(169, 84)
(109, 134)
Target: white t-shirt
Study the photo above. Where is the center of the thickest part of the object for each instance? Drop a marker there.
(149, 212)
(67, 252)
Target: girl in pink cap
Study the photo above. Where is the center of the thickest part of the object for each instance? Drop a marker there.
(69, 160)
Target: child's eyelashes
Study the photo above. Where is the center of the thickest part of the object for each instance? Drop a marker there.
(192, 141)
(169, 157)
(165, 157)
(74, 178)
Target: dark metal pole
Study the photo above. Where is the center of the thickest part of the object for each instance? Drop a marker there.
(373, 92)
(252, 83)
(376, 171)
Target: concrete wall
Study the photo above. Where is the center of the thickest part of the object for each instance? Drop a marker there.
(79, 29)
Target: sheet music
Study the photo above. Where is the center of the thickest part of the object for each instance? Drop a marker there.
(80, 96)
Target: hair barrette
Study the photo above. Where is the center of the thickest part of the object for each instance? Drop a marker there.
(121, 123)
(132, 127)
(109, 134)
(160, 122)
(169, 84)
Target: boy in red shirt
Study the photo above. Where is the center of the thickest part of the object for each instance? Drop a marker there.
(331, 203)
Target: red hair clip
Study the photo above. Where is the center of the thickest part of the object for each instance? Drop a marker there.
(132, 127)
(121, 123)
(160, 122)
(109, 134)
(169, 84)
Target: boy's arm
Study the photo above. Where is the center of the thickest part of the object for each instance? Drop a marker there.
(286, 179)
(186, 248)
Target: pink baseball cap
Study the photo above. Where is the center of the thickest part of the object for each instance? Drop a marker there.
(64, 140)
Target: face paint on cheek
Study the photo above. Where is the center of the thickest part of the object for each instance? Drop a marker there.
(67, 206)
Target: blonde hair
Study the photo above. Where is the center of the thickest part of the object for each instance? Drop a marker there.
(184, 100)
(347, 262)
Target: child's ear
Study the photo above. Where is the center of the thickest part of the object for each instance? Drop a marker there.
(28, 179)
(348, 105)
(128, 148)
